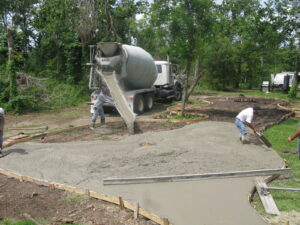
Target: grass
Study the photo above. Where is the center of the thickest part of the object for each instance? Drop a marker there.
(22, 222)
(185, 117)
(193, 102)
(285, 200)
(74, 199)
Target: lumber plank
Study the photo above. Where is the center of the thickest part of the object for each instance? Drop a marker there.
(265, 197)
(190, 177)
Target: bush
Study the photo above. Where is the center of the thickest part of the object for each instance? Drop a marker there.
(21, 104)
(60, 95)
(293, 92)
(48, 94)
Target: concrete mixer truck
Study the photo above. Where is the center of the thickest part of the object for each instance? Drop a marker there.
(134, 79)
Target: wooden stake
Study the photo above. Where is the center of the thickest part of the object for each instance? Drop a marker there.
(121, 204)
(287, 223)
(136, 211)
(87, 192)
(165, 221)
(51, 186)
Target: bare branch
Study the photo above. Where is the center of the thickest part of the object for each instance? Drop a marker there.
(87, 19)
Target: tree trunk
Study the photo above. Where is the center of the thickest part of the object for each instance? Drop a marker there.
(197, 76)
(10, 41)
(186, 90)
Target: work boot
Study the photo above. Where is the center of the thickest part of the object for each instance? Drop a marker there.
(93, 126)
(243, 139)
(102, 122)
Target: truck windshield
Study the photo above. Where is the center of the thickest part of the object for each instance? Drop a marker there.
(158, 68)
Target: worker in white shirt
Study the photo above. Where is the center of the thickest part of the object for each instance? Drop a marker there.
(103, 97)
(243, 119)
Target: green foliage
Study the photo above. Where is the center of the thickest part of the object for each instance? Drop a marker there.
(12, 76)
(74, 199)
(185, 117)
(60, 95)
(21, 104)
(23, 222)
(220, 64)
(193, 102)
(293, 92)
(238, 43)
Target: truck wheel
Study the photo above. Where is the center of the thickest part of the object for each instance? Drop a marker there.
(178, 94)
(139, 105)
(148, 102)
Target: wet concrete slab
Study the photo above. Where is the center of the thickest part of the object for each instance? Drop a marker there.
(209, 202)
(204, 147)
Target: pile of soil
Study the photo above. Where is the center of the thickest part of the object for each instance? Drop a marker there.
(221, 109)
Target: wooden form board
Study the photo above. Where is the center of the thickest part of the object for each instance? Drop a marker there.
(190, 177)
(265, 197)
(92, 194)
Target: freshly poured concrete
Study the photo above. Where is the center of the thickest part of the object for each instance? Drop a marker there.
(198, 148)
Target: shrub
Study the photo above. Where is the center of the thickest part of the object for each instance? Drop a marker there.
(21, 104)
(293, 92)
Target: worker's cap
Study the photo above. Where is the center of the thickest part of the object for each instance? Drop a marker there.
(1, 111)
(256, 108)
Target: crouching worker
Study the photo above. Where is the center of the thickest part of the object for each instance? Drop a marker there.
(244, 118)
(1, 128)
(103, 97)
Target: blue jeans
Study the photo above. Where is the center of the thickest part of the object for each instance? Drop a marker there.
(98, 111)
(241, 126)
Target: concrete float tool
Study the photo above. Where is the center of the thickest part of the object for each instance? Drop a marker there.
(263, 139)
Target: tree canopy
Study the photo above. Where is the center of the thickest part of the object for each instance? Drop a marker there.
(233, 44)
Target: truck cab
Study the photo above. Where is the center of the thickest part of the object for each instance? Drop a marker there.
(166, 84)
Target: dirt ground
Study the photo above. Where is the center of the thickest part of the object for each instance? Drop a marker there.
(24, 200)
(220, 109)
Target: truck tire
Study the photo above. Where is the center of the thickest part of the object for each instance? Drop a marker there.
(149, 101)
(178, 94)
(138, 104)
